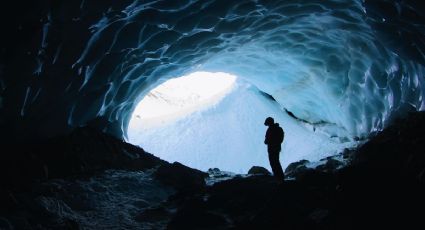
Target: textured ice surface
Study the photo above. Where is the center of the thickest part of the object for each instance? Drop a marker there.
(227, 133)
(321, 60)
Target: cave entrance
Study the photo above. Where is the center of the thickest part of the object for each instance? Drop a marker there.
(215, 120)
(177, 98)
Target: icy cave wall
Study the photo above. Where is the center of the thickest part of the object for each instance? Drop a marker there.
(349, 66)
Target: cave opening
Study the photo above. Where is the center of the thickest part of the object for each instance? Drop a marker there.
(333, 74)
(215, 120)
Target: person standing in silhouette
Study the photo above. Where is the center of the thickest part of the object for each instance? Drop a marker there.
(273, 140)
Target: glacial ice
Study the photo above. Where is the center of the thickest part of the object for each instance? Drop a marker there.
(321, 60)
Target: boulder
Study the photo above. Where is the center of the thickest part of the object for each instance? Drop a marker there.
(296, 167)
(215, 172)
(153, 215)
(330, 166)
(181, 177)
(258, 170)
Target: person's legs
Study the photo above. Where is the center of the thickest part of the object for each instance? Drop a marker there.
(275, 163)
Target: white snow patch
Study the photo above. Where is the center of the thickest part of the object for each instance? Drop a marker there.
(227, 132)
(179, 97)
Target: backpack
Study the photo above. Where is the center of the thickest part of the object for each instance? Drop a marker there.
(279, 134)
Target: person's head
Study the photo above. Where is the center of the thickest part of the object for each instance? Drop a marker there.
(269, 121)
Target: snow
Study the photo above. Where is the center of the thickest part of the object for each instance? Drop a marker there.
(225, 133)
(179, 97)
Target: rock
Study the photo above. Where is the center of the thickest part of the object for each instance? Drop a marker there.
(181, 177)
(141, 203)
(84, 151)
(215, 172)
(153, 215)
(198, 220)
(216, 175)
(296, 167)
(330, 165)
(382, 188)
(194, 215)
(314, 177)
(319, 215)
(258, 170)
(5, 224)
(70, 224)
(348, 154)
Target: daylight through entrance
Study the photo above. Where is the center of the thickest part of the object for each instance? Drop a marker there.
(216, 120)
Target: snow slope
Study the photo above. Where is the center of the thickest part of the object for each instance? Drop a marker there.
(229, 133)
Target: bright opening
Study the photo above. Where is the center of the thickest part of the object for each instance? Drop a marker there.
(215, 120)
(180, 97)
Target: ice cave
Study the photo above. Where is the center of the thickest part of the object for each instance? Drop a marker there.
(99, 99)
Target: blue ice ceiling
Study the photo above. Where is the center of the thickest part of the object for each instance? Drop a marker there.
(348, 66)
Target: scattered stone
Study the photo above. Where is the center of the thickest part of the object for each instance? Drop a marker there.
(216, 175)
(215, 172)
(5, 224)
(153, 215)
(348, 155)
(181, 177)
(381, 188)
(258, 170)
(296, 167)
(84, 152)
(318, 215)
(70, 224)
(198, 220)
(194, 215)
(331, 165)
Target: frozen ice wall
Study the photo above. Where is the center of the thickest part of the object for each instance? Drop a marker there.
(346, 66)
(220, 127)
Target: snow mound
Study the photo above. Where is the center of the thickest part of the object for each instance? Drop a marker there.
(229, 133)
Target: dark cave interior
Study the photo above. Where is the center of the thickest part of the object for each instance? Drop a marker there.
(72, 73)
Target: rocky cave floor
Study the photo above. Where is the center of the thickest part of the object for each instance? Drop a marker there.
(379, 185)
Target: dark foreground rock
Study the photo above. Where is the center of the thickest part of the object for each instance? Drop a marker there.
(255, 170)
(83, 152)
(181, 177)
(382, 187)
(330, 165)
(295, 168)
(38, 181)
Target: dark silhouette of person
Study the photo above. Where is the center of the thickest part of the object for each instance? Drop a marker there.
(273, 140)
